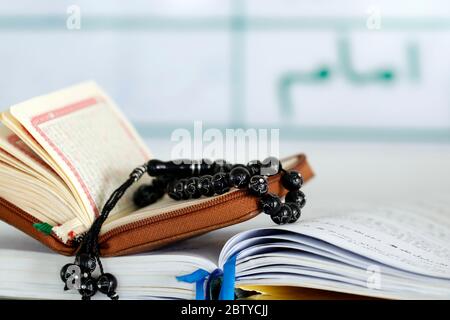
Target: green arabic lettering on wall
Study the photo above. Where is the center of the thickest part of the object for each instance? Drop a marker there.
(344, 69)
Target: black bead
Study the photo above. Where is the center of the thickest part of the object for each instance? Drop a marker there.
(107, 284)
(178, 190)
(178, 168)
(292, 180)
(88, 288)
(270, 203)
(173, 191)
(185, 194)
(193, 187)
(86, 262)
(254, 167)
(296, 211)
(258, 185)
(64, 273)
(270, 166)
(283, 215)
(161, 183)
(221, 183)
(206, 186)
(146, 195)
(239, 177)
(297, 197)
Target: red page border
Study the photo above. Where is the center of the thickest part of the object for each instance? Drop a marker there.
(57, 113)
(73, 107)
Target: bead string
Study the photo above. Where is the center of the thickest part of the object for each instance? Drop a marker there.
(88, 255)
(183, 180)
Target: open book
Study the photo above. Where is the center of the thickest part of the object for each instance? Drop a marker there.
(62, 155)
(397, 252)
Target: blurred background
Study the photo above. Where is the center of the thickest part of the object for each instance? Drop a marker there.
(362, 87)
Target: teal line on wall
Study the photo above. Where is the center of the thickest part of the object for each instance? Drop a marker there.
(409, 135)
(213, 23)
(112, 23)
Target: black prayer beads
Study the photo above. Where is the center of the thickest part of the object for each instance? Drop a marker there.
(258, 185)
(221, 182)
(148, 194)
(183, 180)
(239, 177)
(270, 203)
(192, 188)
(107, 284)
(292, 180)
(206, 186)
(78, 275)
(295, 200)
(283, 215)
(297, 197)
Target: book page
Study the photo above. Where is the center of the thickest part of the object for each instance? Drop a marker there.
(88, 139)
(21, 155)
(397, 252)
(395, 236)
(414, 238)
(141, 276)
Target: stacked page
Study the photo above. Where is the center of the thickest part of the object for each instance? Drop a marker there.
(398, 252)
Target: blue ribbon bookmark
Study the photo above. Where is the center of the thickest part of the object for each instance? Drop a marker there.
(200, 276)
(229, 275)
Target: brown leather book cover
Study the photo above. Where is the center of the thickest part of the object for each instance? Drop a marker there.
(151, 233)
